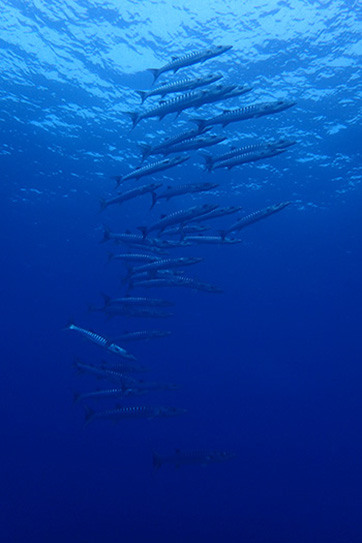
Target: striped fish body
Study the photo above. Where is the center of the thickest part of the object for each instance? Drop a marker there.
(189, 59)
(256, 216)
(247, 157)
(244, 113)
(155, 167)
(211, 240)
(179, 217)
(148, 150)
(101, 341)
(129, 194)
(166, 264)
(194, 144)
(179, 86)
(144, 335)
(148, 412)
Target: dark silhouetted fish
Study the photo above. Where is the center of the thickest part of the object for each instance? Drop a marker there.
(182, 458)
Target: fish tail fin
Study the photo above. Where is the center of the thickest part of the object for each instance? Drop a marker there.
(106, 299)
(110, 257)
(146, 150)
(69, 325)
(157, 460)
(208, 161)
(155, 72)
(76, 397)
(76, 366)
(89, 415)
(142, 94)
(134, 117)
(154, 199)
(106, 235)
(143, 230)
(103, 204)
(128, 275)
(222, 234)
(200, 122)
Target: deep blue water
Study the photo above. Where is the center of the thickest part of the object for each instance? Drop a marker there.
(271, 368)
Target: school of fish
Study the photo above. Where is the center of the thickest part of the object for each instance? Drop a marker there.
(146, 257)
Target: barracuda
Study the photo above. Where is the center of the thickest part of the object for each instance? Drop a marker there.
(148, 150)
(194, 144)
(279, 144)
(179, 217)
(148, 412)
(211, 240)
(143, 335)
(154, 167)
(166, 264)
(100, 341)
(254, 156)
(194, 57)
(241, 114)
(191, 188)
(133, 193)
(179, 86)
(254, 217)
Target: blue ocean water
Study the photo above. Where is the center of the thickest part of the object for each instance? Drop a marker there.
(269, 369)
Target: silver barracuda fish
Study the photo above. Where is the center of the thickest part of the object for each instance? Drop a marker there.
(178, 217)
(254, 217)
(104, 372)
(100, 341)
(143, 335)
(132, 257)
(179, 86)
(195, 57)
(211, 240)
(247, 157)
(235, 151)
(135, 412)
(197, 143)
(148, 150)
(241, 114)
(154, 167)
(166, 264)
(191, 188)
(129, 194)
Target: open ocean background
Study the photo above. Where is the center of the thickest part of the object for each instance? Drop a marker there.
(270, 369)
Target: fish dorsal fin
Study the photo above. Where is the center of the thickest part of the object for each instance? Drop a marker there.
(163, 215)
(128, 231)
(175, 58)
(225, 110)
(169, 186)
